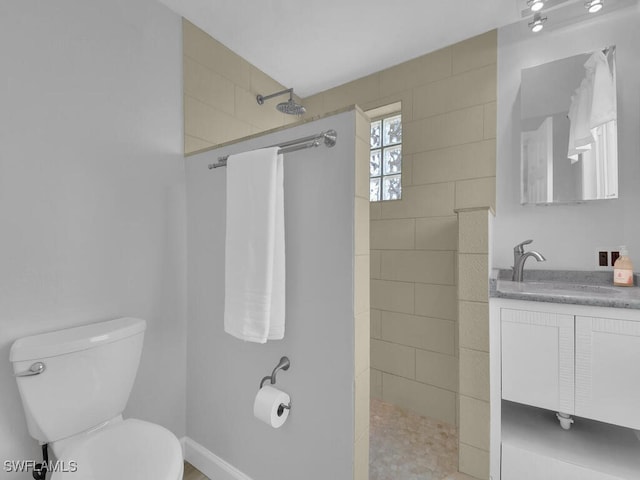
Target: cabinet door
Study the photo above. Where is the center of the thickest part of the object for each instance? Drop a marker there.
(608, 370)
(537, 359)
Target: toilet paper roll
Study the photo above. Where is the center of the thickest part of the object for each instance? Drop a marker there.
(266, 406)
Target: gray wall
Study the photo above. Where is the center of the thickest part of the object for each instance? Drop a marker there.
(92, 203)
(569, 235)
(223, 373)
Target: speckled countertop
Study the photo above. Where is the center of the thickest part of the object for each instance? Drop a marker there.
(565, 286)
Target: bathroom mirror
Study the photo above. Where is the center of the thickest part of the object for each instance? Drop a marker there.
(569, 145)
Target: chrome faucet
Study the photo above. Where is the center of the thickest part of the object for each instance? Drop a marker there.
(520, 256)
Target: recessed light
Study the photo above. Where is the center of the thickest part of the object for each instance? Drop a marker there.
(538, 23)
(535, 5)
(594, 6)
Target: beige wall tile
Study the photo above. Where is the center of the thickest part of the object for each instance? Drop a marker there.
(376, 324)
(362, 296)
(375, 210)
(421, 332)
(474, 87)
(193, 144)
(207, 123)
(207, 86)
(479, 192)
(361, 457)
(392, 296)
(435, 200)
(474, 422)
(422, 266)
(362, 169)
(475, 52)
(393, 358)
(362, 342)
(363, 129)
(473, 277)
(361, 226)
(474, 374)
(314, 105)
(437, 233)
(474, 325)
(421, 398)
(490, 120)
(460, 162)
(213, 54)
(438, 301)
(376, 383)
(397, 234)
(375, 264)
(474, 461)
(427, 68)
(263, 116)
(474, 231)
(405, 97)
(440, 131)
(437, 369)
(362, 388)
(357, 92)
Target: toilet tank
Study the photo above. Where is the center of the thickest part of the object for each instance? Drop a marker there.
(88, 376)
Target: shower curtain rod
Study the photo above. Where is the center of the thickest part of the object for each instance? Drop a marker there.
(328, 138)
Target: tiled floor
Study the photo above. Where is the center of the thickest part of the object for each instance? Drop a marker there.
(406, 446)
(403, 446)
(190, 473)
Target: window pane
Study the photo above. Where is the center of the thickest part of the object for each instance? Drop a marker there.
(375, 163)
(376, 134)
(392, 188)
(392, 130)
(392, 160)
(374, 189)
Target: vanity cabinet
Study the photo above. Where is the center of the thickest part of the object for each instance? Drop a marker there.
(575, 364)
(579, 360)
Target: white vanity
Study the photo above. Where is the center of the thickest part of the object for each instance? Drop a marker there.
(569, 348)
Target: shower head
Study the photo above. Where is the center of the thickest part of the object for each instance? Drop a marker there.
(290, 107)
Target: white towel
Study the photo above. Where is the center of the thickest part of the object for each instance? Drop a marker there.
(254, 307)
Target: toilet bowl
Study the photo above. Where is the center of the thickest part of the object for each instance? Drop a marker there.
(74, 385)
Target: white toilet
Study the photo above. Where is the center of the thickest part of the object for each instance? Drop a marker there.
(74, 385)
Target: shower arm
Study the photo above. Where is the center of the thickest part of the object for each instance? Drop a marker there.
(260, 98)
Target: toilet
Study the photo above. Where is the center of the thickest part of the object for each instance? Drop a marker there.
(74, 385)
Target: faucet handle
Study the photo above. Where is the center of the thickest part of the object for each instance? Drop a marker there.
(519, 248)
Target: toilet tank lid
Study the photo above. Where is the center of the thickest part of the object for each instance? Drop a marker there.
(74, 339)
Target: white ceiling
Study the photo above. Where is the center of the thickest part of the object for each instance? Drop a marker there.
(315, 45)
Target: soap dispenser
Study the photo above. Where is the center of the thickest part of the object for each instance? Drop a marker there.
(623, 269)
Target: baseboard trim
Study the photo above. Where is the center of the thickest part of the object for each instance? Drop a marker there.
(209, 463)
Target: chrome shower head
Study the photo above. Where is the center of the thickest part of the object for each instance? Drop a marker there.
(290, 107)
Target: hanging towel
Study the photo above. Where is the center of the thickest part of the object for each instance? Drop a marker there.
(254, 308)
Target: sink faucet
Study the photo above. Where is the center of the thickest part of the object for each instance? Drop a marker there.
(520, 256)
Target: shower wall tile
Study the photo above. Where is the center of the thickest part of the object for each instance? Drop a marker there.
(474, 325)
(473, 87)
(475, 52)
(474, 232)
(437, 369)
(419, 266)
(490, 120)
(362, 396)
(427, 333)
(473, 461)
(207, 86)
(361, 227)
(362, 168)
(393, 358)
(437, 233)
(435, 200)
(438, 301)
(376, 324)
(473, 272)
(357, 92)
(426, 400)
(376, 384)
(361, 300)
(395, 234)
(362, 335)
(361, 456)
(414, 73)
(459, 162)
(193, 144)
(405, 97)
(392, 296)
(479, 192)
(375, 264)
(474, 374)
(474, 422)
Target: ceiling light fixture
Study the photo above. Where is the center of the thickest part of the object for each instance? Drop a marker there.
(535, 5)
(594, 6)
(538, 23)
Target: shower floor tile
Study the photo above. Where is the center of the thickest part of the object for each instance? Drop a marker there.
(406, 446)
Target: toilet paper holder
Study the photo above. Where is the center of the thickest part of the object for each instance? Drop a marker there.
(283, 364)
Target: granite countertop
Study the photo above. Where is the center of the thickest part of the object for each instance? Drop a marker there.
(565, 286)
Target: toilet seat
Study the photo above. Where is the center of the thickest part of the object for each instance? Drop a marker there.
(128, 450)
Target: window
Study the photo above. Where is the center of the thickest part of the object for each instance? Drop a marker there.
(385, 165)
